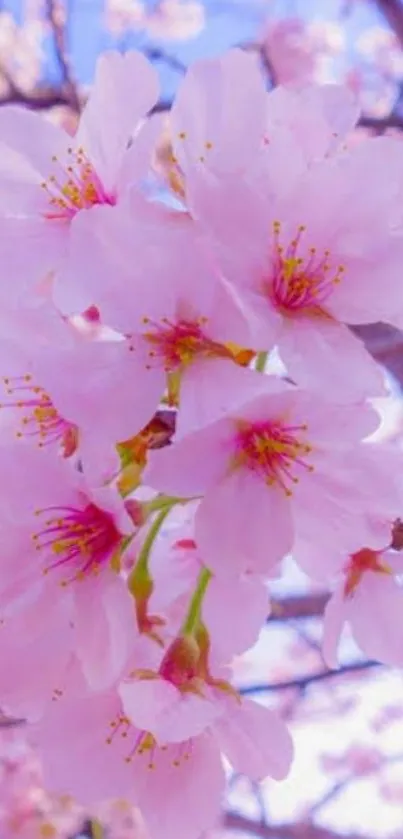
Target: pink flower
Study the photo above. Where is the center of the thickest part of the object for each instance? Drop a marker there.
(49, 181)
(319, 117)
(53, 389)
(284, 465)
(36, 643)
(181, 331)
(27, 410)
(219, 115)
(312, 256)
(62, 543)
(159, 745)
(224, 124)
(289, 51)
(370, 599)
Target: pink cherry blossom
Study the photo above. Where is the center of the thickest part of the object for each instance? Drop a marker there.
(219, 100)
(284, 465)
(54, 180)
(320, 117)
(241, 144)
(281, 132)
(181, 332)
(181, 764)
(53, 389)
(312, 257)
(289, 51)
(369, 598)
(62, 542)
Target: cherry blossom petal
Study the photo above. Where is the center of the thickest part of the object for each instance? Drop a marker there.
(158, 706)
(193, 464)
(326, 356)
(224, 602)
(125, 88)
(375, 617)
(243, 525)
(105, 626)
(219, 100)
(35, 139)
(86, 766)
(189, 794)
(255, 740)
(334, 618)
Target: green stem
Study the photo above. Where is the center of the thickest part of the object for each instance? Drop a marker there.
(192, 620)
(140, 572)
(161, 502)
(261, 361)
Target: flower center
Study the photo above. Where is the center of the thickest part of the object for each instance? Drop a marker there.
(73, 186)
(358, 564)
(40, 420)
(272, 450)
(82, 539)
(178, 344)
(300, 284)
(145, 745)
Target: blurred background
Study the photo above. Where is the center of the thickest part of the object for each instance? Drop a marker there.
(347, 780)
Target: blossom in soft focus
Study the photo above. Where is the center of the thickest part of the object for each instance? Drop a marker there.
(176, 19)
(299, 52)
(289, 52)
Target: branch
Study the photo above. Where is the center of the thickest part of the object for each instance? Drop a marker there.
(39, 99)
(306, 681)
(392, 11)
(301, 830)
(381, 125)
(293, 608)
(59, 36)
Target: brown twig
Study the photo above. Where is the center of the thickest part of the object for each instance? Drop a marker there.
(301, 830)
(302, 682)
(293, 608)
(392, 11)
(68, 84)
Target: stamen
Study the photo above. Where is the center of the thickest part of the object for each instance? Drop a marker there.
(40, 420)
(81, 539)
(73, 186)
(272, 450)
(300, 284)
(144, 746)
(178, 344)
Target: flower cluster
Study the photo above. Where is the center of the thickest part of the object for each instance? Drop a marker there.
(155, 473)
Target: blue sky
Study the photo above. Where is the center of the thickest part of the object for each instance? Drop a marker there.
(228, 22)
